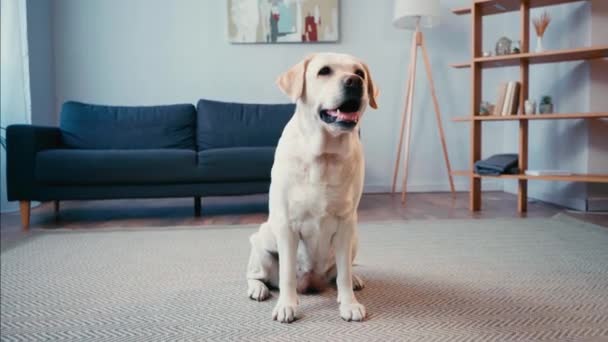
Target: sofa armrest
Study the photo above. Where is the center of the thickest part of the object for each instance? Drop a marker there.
(22, 144)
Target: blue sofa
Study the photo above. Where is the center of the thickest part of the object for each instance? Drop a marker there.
(110, 152)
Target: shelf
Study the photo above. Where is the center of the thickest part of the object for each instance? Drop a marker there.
(532, 117)
(539, 57)
(590, 178)
(461, 10)
(489, 7)
(461, 65)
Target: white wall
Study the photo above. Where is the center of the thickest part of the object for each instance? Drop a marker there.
(40, 42)
(141, 52)
(14, 79)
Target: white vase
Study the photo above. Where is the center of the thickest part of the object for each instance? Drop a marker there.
(539, 44)
(530, 107)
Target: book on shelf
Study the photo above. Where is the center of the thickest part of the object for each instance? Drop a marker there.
(514, 99)
(548, 173)
(508, 98)
(502, 89)
(505, 105)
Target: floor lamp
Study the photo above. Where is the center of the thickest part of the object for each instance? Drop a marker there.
(414, 14)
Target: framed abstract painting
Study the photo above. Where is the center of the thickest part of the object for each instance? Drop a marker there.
(283, 21)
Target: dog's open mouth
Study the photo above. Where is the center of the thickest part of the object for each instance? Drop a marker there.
(346, 116)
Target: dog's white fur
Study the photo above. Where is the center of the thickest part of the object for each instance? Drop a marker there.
(310, 237)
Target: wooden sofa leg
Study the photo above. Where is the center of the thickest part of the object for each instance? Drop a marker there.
(56, 208)
(24, 207)
(197, 206)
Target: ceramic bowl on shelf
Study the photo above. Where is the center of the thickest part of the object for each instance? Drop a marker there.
(546, 108)
(546, 105)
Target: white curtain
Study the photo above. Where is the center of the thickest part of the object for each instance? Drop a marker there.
(14, 71)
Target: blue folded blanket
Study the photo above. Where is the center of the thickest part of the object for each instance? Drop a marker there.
(497, 164)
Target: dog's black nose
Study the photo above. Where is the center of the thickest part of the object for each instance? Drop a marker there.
(353, 82)
(353, 86)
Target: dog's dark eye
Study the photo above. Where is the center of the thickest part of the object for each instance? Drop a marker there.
(324, 71)
(360, 73)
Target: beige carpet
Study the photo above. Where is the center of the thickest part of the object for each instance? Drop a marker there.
(454, 280)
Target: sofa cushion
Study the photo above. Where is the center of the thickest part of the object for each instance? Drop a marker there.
(88, 167)
(89, 126)
(236, 164)
(221, 124)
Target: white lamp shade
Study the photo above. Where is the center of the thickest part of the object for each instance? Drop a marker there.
(407, 13)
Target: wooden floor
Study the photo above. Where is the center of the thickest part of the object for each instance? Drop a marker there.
(133, 214)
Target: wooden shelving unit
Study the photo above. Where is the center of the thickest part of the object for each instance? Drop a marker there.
(532, 117)
(477, 10)
(490, 7)
(538, 58)
(570, 178)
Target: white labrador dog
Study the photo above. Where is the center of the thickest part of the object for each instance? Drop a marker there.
(310, 237)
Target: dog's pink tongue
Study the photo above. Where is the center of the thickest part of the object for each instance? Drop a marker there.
(344, 116)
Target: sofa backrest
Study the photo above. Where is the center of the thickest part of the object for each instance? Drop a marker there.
(222, 124)
(89, 126)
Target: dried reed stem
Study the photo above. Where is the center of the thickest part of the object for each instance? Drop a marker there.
(540, 24)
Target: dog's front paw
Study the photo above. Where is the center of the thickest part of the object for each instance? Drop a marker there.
(352, 312)
(257, 290)
(285, 311)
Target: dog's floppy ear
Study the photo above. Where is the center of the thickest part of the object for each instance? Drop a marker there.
(292, 81)
(372, 89)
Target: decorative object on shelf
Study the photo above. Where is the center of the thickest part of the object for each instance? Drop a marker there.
(498, 164)
(486, 108)
(487, 53)
(414, 14)
(517, 48)
(503, 46)
(548, 173)
(546, 105)
(530, 107)
(283, 21)
(540, 26)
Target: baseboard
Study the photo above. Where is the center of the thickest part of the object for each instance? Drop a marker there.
(579, 204)
(488, 185)
(9, 207)
(597, 204)
(575, 203)
(13, 206)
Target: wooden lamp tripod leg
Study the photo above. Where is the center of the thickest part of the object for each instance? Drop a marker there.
(404, 118)
(410, 108)
(437, 113)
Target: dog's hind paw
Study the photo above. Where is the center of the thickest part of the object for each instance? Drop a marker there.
(257, 290)
(358, 283)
